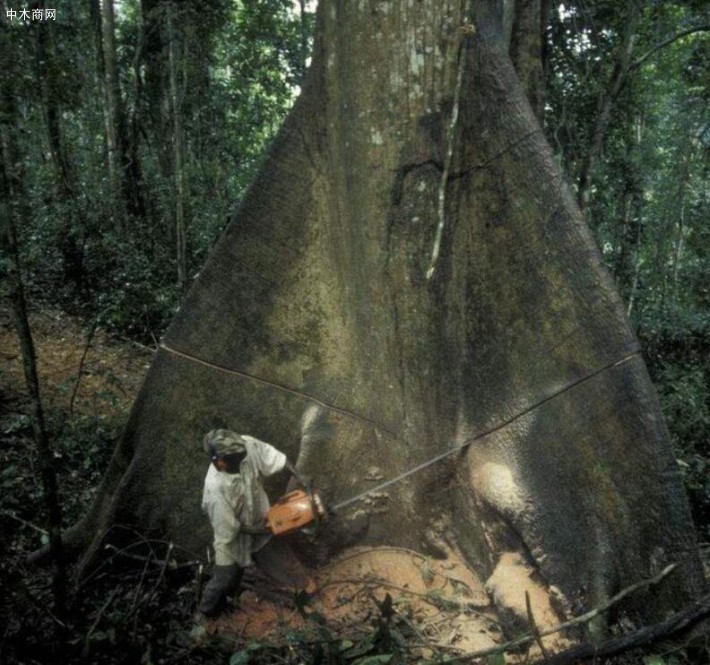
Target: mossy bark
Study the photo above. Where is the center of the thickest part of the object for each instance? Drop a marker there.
(318, 294)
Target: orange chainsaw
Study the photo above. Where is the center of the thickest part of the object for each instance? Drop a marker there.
(294, 511)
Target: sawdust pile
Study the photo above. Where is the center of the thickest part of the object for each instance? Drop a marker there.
(440, 604)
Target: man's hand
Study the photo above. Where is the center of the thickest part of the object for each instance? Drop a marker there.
(255, 529)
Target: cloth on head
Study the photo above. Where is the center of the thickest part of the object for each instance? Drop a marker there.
(223, 442)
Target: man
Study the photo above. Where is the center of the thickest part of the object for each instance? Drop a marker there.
(236, 503)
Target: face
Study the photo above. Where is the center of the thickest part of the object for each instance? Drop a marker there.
(229, 463)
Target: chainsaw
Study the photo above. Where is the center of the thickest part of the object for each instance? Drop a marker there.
(297, 509)
(306, 507)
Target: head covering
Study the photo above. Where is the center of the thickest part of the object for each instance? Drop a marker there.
(223, 442)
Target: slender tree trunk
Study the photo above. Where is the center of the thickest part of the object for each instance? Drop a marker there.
(605, 103)
(71, 218)
(100, 81)
(124, 166)
(51, 110)
(638, 258)
(156, 73)
(49, 481)
(526, 50)
(113, 99)
(637, 270)
(304, 38)
(628, 232)
(670, 246)
(176, 93)
(680, 227)
(621, 249)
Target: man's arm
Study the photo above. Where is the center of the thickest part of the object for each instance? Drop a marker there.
(270, 460)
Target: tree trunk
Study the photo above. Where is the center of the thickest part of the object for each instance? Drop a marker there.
(72, 220)
(605, 102)
(317, 297)
(9, 202)
(156, 77)
(124, 170)
(526, 50)
(100, 80)
(176, 94)
(636, 270)
(112, 94)
(680, 230)
(304, 38)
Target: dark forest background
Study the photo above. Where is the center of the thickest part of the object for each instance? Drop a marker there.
(131, 130)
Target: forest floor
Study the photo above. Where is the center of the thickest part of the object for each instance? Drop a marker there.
(381, 605)
(79, 369)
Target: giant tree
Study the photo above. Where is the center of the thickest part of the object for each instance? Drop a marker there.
(410, 270)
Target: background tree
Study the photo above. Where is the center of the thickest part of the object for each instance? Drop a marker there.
(237, 67)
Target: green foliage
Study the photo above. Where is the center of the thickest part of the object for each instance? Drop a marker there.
(238, 66)
(386, 643)
(83, 448)
(654, 660)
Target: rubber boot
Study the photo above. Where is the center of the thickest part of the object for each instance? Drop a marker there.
(225, 581)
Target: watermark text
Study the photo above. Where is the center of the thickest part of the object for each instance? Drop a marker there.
(31, 14)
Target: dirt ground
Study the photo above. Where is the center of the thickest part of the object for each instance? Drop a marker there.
(439, 604)
(89, 372)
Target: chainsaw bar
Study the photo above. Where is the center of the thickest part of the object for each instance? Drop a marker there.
(401, 476)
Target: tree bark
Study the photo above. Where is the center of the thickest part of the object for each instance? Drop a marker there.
(304, 37)
(319, 296)
(124, 169)
(526, 50)
(176, 62)
(72, 220)
(680, 231)
(112, 93)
